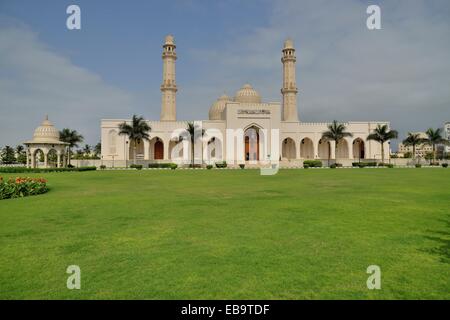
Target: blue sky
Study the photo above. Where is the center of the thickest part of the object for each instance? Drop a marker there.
(112, 66)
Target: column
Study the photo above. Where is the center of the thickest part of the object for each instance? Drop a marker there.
(58, 160)
(46, 159)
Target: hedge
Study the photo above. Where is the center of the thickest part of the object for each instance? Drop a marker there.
(43, 170)
(163, 165)
(313, 163)
(364, 164)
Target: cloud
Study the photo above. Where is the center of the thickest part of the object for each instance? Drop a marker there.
(34, 82)
(346, 72)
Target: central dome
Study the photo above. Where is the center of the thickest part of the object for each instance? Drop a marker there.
(247, 95)
(46, 132)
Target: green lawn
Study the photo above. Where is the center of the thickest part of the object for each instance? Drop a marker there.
(230, 234)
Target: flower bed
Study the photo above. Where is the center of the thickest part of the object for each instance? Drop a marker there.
(22, 187)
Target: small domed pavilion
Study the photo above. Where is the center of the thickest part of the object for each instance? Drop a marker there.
(46, 141)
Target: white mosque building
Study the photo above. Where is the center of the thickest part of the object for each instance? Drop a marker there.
(241, 129)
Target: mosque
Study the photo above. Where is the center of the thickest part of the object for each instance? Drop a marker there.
(242, 129)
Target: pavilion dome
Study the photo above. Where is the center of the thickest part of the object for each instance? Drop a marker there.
(46, 133)
(218, 107)
(247, 95)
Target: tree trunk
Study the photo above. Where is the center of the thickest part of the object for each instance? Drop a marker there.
(382, 153)
(68, 154)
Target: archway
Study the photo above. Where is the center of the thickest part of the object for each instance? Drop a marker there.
(251, 139)
(156, 149)
(324, 149)
(137, 145)
(306, 149)
(38, 158)
(288, 150)
(214, 149)
(52, 158)
(358, 149)
(176, 150)
(342, 149)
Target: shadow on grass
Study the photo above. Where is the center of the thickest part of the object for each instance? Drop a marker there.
(442, 239)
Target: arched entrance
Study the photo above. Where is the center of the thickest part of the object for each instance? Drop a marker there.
(324, 149)
(251, 138)
(38, 158)
(158, 150)
(138, 147)
(306, 149)
(342, 149)
(288, 149)
(52, 159)
(358, 149)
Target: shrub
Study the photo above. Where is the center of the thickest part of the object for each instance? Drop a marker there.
(390, 165)
(418, 165)
(313, 163)
(173, 166)
(43, 170)
(103, 167)
(209, 167)
(222, 164)
(136, 166)
(444, 165)
(306, 166)
(22, 187)
(70, 166)
(242, 166)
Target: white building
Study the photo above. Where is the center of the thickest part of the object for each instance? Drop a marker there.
(447, 136)
(240, 129)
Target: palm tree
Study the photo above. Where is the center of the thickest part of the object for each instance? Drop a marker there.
(136, 132)
(382, 134)
(72, 137)
(87, 150)
(434, 137)
(413, 139)
(336, 132)
(194, 132)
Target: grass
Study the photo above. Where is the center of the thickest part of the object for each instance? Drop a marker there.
(230, 234)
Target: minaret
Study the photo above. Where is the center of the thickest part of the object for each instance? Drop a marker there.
(169, 87)
(289, 90)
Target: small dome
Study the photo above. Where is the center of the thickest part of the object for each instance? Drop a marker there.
(46, 132)
(247, 95)
(169, 39)
(289, 44)
(216, 110)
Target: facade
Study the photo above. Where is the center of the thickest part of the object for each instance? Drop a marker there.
(421, 149)
(46, 146)
(240, 129)
(447, 137)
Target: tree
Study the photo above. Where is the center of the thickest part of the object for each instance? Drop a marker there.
(98, 149)
(136, 132)
(87, 150)
(21, 154)
(434, 137)
(336, 132)
(194, 132)
(413, 139)
(382, 134)
(72, 137)
(8, 155)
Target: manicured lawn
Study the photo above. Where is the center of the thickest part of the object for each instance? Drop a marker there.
(230, 234)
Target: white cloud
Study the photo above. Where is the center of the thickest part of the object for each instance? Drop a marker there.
(346, 72)
(34, 81)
